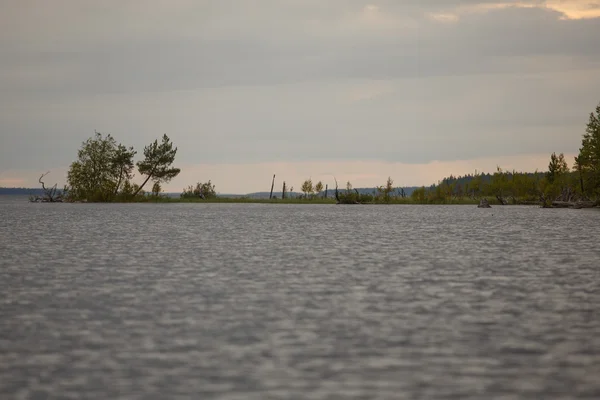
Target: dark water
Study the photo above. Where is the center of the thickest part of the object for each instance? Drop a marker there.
(154, 301)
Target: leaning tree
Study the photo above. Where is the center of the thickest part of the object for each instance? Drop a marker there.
(156, 165)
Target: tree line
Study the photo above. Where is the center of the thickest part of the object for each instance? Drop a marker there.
(562, 182)
(104, 170)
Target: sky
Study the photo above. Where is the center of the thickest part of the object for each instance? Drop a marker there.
(360, 90)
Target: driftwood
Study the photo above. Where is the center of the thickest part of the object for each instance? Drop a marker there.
(573, 204)
(566, 195)
(567, 199)
(584, 204)
(50, 194)
(501, 200)
(483, 203)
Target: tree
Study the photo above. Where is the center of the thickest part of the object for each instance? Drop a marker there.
(500, 185)
(319, 187)
(101, 166)
(476, 184)
(588, 160)
(383, 193)
(578, 167)
(419, 195)
(557, 167)
(156, 189)
(557, 184)
(388, 189)
(157, 162)
(202, 190)
(123, 162)
(307, 187)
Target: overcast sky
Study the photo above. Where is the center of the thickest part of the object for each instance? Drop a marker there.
(414, 89)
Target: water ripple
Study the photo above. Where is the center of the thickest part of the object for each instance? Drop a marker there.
(324, 302)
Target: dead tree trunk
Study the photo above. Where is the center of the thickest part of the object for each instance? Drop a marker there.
(584, 204)
(50, 195)
(326, 188)
(272, 186)
(337, 194)
(283, 191)
(483, 203)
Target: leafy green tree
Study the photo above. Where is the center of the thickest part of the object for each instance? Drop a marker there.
(202, 190)
(157, 162)
(388, 189)
(558, 179)
(307, 187)
(578, 168)
(156, 189)
(557, 167)
(127, 190)
(476, 185)
(319, 187)
(101, 166)
(123, 162)
(419, 195)
(384, 193)
(588, 160)
(500, 185)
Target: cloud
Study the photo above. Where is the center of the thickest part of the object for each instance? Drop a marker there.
(195, 46)
(298, 81)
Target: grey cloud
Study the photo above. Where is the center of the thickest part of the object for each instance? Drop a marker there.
(232, 81)
(476, 44)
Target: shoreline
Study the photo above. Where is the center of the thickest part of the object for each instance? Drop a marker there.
(330, 201)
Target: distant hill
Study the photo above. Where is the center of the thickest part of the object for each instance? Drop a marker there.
(21, 191)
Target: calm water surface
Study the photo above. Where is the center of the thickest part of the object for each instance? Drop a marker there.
(206, 301)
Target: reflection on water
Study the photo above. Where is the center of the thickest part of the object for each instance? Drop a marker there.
(290, 301)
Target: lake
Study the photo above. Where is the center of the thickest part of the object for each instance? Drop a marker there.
(255, 301)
